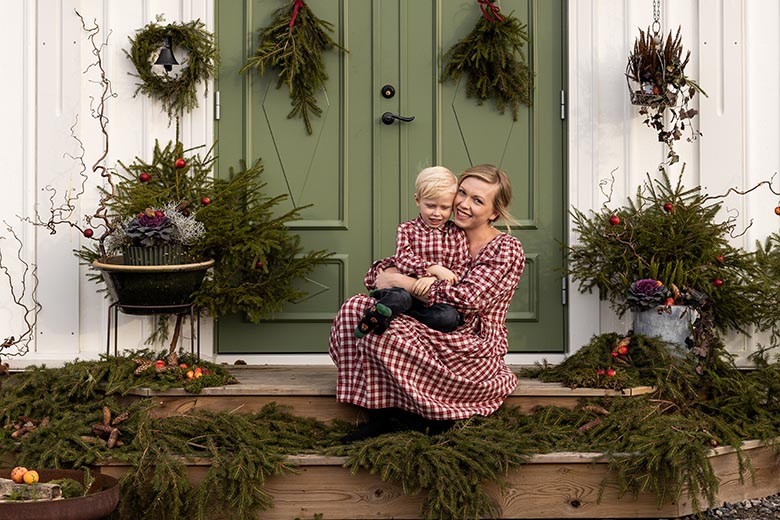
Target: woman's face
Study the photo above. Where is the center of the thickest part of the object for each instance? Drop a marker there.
(474, 203)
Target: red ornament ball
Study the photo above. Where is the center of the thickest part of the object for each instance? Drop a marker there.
(717, 282)
(259, 264)
(205, 201)
(144, 177)
(668, 207)
(614, 220)
(611, 372)
(777, 210)
(622, 350)
(180, 163)
(88, 232)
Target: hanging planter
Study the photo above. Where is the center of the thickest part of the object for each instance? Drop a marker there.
(493, 59)
(657, 83)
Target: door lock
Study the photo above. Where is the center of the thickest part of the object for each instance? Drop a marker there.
(388, 91)
(388, 118)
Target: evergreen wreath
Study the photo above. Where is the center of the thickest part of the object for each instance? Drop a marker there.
(177, 94)
(293, 43)
(493, 59)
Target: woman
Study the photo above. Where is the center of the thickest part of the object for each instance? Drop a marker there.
(413, 371)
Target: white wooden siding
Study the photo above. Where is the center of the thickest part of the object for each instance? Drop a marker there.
(735, 47)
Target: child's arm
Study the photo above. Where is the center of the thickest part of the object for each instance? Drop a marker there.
(442, 273)
(407, 260)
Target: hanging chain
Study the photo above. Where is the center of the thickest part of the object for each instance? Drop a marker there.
(656, 17)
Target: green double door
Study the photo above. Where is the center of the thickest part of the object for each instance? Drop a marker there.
(358, 173)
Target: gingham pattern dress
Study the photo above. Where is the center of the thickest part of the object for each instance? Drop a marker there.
(435, 374)
(418, 246)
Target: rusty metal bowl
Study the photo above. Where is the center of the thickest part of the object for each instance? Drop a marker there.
(100, 500)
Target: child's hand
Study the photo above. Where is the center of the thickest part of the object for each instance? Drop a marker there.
(422, 285)
(442, 273)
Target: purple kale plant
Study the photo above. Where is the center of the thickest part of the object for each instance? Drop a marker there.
(646, 294)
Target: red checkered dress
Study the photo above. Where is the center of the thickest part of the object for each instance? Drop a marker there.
(435, 374)
(418, 246)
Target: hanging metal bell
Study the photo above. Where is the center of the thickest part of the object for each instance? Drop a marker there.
(166, 57)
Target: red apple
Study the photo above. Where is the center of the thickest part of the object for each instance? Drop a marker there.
(777, 210)
(611, 372)
(622, 350)
(205, 201)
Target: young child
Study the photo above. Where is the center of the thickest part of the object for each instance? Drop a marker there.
(429, 247)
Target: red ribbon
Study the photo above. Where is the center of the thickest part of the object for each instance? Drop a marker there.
(490, 10)
(298, 5)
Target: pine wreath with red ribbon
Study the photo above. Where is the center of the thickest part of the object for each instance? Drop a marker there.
(493, 59)
(293, 44)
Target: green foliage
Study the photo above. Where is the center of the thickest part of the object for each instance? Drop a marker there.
(296, 52)
(659, 442)
(686, 246)
(257, 258)
(493, 59)
(176, 93)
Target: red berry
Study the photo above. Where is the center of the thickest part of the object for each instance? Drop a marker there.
(717, 282)
(180, 163)
(144, 177)
(668, 207)
(622, 350)
(614, 220)
(159, 213)
(205, 201)
(777, 210)
(611, 372)
(88, 233)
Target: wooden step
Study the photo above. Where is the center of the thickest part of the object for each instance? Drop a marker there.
(553, 485)
(310, 391)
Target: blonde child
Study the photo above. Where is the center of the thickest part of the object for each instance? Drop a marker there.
(430, 248)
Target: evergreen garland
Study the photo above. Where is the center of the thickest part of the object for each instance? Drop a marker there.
(293, 44)
(668, 435)
(493, 59)
(176, 94)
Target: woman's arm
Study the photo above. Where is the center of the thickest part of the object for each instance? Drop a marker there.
(495, 272)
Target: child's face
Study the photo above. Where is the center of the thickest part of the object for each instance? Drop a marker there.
(435, 211)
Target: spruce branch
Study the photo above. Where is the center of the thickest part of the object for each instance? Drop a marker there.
(293, 44)
(493, 58)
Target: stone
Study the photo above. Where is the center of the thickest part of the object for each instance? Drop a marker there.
(39, 491)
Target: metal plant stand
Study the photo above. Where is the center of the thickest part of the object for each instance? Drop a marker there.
(149, 310)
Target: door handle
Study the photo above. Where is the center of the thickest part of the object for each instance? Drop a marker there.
(389, 117)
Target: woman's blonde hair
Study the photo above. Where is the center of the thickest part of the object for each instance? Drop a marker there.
(435, 181)
(503, 195)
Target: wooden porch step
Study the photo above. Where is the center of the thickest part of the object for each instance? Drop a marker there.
(310, 391)
(553, 485)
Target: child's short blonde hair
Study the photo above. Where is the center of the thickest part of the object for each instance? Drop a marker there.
(435, 181)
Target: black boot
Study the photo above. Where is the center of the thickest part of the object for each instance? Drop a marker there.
(380, 421)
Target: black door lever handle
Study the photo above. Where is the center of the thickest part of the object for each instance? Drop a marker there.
(388, 118)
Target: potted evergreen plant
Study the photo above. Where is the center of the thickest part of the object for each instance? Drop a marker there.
(671, 235)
